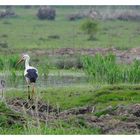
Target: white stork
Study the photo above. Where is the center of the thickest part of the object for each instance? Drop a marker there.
(30, 74)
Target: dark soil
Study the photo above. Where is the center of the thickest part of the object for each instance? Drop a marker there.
(43, 110)
(119, 120)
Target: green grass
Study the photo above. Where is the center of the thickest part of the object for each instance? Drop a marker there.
(60, 127)
(72, 97)
(26, 32)
(7, 118)
(105, 69)
(63, 97)
(71, 126)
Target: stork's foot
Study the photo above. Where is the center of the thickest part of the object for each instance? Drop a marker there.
(29, 97)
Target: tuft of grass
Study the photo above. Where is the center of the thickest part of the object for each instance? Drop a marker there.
(8, 119)
(60, 127)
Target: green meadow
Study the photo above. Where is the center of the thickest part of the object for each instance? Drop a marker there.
(26, 31)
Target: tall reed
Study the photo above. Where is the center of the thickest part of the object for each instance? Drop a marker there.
(105, 69)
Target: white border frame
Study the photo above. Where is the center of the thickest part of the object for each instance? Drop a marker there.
(71, 137)
(69, 2)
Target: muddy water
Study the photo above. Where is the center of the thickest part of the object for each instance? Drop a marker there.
(62, 80)
(50, 81)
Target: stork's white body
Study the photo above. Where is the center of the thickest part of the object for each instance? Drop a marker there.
(28, 67)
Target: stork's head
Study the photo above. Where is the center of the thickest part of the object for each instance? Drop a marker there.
(23, 58)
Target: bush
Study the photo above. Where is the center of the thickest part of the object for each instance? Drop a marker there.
(7, 13)
(122, 15)
(90, 27)
(59, 64)
(54, 37)
(93, 14)
(68, 63)
(128, 16)
(46, 12)
(3, 45)
(74, 17)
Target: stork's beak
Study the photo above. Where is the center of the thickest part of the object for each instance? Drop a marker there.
(19, 61)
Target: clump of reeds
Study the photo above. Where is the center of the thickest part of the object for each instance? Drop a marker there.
(9, 62)
(105, 69)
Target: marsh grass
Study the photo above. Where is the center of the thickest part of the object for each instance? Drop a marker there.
(9, 62)
(105, 69)
(14, 74)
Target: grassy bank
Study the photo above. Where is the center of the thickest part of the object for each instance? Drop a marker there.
(76, 96)
(67, 98)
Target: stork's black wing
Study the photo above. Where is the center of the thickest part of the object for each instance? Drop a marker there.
(32, 75)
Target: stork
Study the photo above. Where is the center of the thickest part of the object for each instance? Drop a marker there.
(30, 74)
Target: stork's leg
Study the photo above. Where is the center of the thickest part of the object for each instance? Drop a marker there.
(29, 97)
(28, 85)
(33, 90)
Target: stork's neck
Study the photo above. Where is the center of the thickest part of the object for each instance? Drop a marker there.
(26, 63)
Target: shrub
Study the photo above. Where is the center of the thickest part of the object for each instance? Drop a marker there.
(3, 45)
(4, 35)
(60, 64)
(128, 16)
(122, 15)
(93, 14)
(7, 13)
(90, 27)
(46, 12)
(54, 37)
(73, 17)
(68, 63)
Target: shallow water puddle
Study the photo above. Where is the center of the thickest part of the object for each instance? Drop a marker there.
(50, 81)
